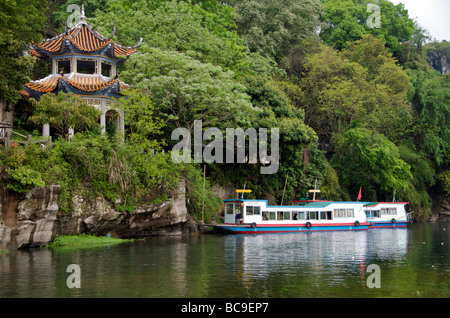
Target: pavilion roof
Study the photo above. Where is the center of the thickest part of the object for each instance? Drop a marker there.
(84, 38)
(82, 83)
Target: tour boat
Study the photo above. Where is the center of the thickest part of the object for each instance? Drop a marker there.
(247, 216)
(387, 214)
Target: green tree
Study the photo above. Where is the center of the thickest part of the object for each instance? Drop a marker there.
(430, 97)
(20, 23)
(370, 160)
(300, 160)
(346, 21)
(142, 125)
(64, 111)
(424, 177)
(361, 84)
(333, 92)
(208, 36)
(184, 89)
(272, 28)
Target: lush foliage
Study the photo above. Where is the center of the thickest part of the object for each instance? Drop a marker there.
(273, 27)
(349, 88)
(21, 22)
(184, 89)
(64, 111)
(349, 20)
(370, 160)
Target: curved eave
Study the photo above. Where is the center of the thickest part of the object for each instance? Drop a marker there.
(78, 85)
(85, 39)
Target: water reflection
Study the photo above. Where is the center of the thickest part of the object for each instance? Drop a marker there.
(333, 257)
(328, 264)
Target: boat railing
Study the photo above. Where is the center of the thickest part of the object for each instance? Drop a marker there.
(409, 217)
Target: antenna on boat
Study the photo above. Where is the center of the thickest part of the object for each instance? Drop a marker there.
(243, 190)
(315, 189)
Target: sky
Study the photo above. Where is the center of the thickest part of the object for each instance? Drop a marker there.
(432, 15)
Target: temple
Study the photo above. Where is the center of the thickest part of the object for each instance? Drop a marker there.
(83, 62)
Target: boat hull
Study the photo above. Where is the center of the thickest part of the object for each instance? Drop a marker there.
(388, 224)
(266, 228)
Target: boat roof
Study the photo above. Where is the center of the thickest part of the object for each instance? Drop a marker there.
(372, 204)
(315, 204)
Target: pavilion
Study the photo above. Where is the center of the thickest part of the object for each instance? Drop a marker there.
(83, 62)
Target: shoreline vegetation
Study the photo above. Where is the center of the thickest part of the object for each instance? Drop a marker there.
(356, 106)
(84, 240)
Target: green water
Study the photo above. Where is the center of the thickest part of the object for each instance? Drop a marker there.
(412, 262)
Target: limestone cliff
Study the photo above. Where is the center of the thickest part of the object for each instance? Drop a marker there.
(33, 219)
(438, 55)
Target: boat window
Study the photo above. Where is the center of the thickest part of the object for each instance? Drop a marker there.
(253, 210)
(294, 215)
(350, 213)
(339, 213)
(313, 215)
(229, 208)
(287, 215)
(301, 215)
(373, 213)
(268, 216)
(280, 215)
(325, 215)
(388, 211)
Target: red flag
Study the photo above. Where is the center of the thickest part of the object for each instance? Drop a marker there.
(359, 195)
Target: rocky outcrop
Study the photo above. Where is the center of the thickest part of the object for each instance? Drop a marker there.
(99, 217)
(439, 61)
(37, 220)
(34, 221)
(441, 211)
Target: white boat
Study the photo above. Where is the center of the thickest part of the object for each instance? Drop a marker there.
(387, 214)
(246, 216)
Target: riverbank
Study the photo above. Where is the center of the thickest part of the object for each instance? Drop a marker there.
(35, 219)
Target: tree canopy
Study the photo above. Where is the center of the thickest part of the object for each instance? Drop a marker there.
(21, 23)
(348, 83)
(348, 20)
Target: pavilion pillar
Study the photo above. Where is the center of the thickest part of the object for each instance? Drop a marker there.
(103, 121)
(46, 130)
(71, 132)
(120, 126)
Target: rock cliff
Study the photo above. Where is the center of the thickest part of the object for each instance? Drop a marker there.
(439, 62)
(438, 55)
(441, 209)
(34, 220)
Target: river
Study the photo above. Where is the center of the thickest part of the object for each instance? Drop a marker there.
(400, 263)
